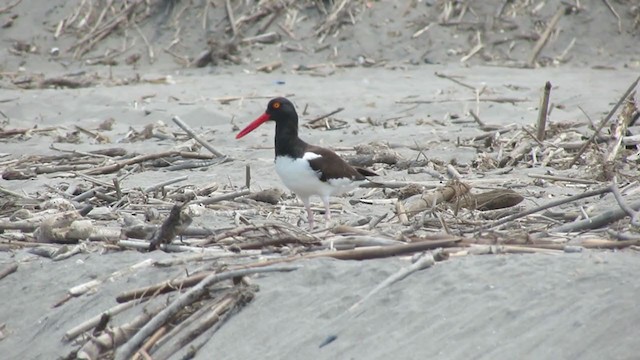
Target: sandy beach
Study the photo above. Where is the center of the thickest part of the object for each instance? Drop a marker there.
(435, 85)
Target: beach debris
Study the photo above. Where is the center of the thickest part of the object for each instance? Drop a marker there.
(580, 190)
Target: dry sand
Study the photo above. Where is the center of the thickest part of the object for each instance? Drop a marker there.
(561, 306)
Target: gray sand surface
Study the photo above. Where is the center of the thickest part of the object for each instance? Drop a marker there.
(536, 306)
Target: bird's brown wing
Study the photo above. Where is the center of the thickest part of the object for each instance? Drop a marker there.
(331, 166)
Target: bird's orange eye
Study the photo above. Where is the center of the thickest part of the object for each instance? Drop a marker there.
(276, 105)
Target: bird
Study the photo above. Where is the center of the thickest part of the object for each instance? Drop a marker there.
(305, 169)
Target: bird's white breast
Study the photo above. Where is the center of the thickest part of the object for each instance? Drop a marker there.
(299, 177)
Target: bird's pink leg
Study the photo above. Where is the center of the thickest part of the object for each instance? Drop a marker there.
(327, 210)
(307, 206)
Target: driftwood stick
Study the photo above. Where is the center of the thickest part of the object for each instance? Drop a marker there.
(229, 196)
(164, 287)
(247, 176)
(635, 215)
(377, 252)
(452, 78)
(176, 119)
(545, 36)
(205, 322)
(168, 286)
(496, 100)
(617, 129)
(111, 339)
(12, 193)
(400, 184)
(184, 324)
(24, 225)
(606, 217)
(151, 342)
(130, 347)
(427, 260)
(12, 132)
(543, 111)
(605, 121)
(203, 339)
(91, 323)
(165, 183)
(144, 245)
(562, 178)
(623, 235)
(326, 115)
(136, 160)
(543, 207)
(10, 6)
(354, 241)
(13, 267)
(401, 212)
(605, 244)
(615, 13)
(225, 100)
(232, 20)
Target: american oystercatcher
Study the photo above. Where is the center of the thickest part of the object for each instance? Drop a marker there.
(306, 169)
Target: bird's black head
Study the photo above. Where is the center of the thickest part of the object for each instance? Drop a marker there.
(280, 110)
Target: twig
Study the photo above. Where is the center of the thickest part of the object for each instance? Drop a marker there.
(453, 173)
(540, 208)
(267, 24)
(448, 77)
(421, 31)
(604, 121)
(497, 100)
(12, 132)
(193, 135)
(9, 7)
(111, 339)
(326, 115)
(266, 38)
(151, 341)
(545, 36)
(478, 120)
(270, 66)
(136, 160)
(615, 13)
(562, 178)
(606, 217)
(204, 322)
(479, 46)
(229, 196)
(542, 113)
(633, 214)
(401, 212)
(376, 252)
(533, 137)
(85, 326)
(152, 56)
(247, 176)
(130, 347)
(426, 261)
(399, 184)
(13, 193)
(165, 183)
(232, 20)
(228, 99)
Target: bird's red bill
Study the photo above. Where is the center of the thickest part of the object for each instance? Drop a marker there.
(257, 122)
